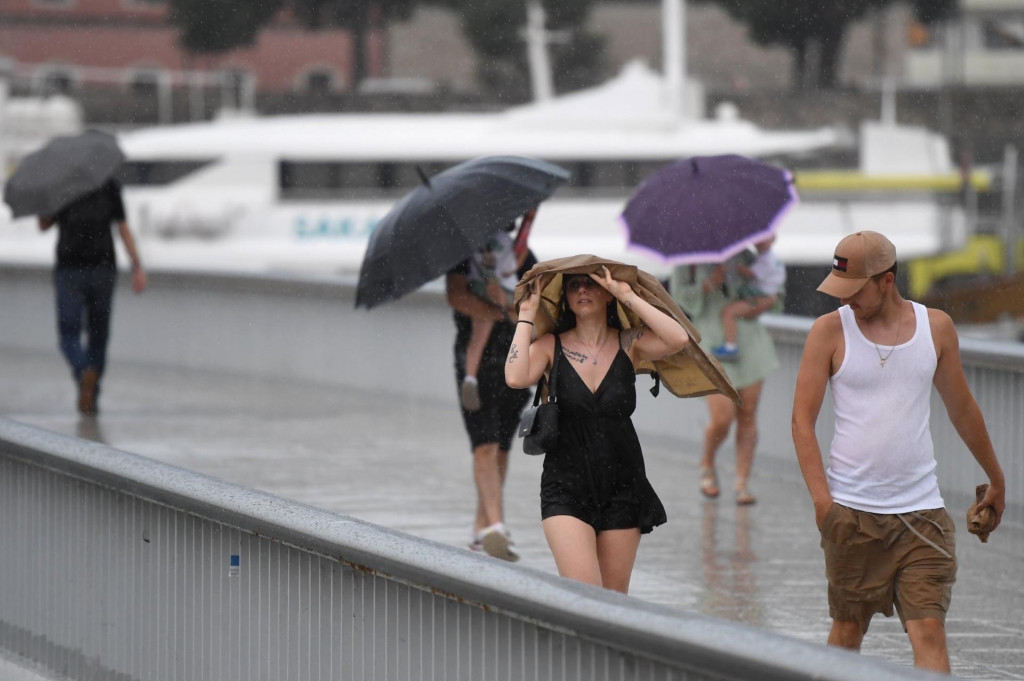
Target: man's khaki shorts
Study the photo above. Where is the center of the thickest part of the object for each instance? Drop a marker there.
(874, 561)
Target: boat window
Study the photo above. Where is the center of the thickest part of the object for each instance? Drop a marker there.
(155, 173)
(407, 176)
(614, 174)
(330, 179)
(367, 179)
(607, 177)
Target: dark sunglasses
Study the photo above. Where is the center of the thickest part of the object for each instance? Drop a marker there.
(579, 282)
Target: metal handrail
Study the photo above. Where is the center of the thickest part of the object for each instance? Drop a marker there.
(703, 647)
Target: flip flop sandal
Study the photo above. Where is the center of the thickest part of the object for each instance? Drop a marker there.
(745, 498)
(709, 483)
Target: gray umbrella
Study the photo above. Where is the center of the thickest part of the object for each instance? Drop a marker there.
(446, 219)
(67, 168)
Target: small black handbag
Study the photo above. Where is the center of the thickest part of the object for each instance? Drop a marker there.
(539, 425)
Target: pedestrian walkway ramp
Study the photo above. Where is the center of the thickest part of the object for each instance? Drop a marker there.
(118, 567)
(296, 328)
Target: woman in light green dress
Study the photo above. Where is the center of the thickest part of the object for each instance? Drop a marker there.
(702, 291)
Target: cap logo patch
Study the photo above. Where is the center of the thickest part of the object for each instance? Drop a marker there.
(839, 263)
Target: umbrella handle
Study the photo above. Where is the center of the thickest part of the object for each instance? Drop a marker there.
(423, 176)
(524, 231)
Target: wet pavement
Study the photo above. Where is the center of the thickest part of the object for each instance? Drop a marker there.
(405, 464)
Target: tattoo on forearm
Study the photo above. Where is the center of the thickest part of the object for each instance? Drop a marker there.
(631, 336)
(573, 355)
(513, 353)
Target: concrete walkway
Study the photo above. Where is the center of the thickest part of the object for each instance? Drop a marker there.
(405, 464)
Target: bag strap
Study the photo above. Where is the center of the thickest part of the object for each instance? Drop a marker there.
(554, 376)
(554, 369)
(538, 391)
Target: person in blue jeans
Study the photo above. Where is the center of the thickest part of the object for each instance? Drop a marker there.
(84, 280)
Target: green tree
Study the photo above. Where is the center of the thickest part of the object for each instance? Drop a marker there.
(934, 11)
(801, 24)
(578, 61)
(217, 26)
(494, 28)
(361, 17)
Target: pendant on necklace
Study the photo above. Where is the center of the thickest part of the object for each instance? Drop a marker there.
(881, 362)
(595, 361)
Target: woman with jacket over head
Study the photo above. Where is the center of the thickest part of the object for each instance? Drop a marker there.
(596, 500)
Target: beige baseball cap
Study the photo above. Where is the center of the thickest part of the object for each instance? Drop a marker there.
(858, 257)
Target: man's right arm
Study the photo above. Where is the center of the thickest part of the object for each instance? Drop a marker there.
(815, 367)
(462, 300)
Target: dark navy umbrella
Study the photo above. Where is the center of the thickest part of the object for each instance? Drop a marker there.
(448, 218)
(67, 168)
(707, 208)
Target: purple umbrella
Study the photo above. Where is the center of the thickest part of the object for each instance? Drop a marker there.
(707, 208)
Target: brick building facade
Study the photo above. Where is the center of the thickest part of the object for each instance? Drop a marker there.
(63, 45)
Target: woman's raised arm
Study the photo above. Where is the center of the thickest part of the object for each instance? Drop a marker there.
(664, 336)
(527, 359)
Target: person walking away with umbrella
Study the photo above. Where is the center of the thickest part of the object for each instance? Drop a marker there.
(596, 501)
(887, 538)
(433, 231)
(492, 426)
(493, 275)
(765, 277)
(84, 279)
(703, 291)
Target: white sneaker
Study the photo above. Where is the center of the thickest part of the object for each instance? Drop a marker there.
(496, 543)
(470, 394)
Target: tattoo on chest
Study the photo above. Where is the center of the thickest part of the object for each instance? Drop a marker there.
(574, 356)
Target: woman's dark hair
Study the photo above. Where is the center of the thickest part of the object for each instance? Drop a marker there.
(566, 318)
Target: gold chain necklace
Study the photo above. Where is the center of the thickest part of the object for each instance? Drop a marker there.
(580, 340)
(899, 322)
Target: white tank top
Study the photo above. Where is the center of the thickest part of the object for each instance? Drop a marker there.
(882, 459)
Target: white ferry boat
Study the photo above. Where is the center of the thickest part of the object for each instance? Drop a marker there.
(303, 193)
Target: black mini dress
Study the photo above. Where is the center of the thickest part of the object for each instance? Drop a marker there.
(596, 473)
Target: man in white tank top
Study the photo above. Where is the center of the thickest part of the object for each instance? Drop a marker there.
(887, 538)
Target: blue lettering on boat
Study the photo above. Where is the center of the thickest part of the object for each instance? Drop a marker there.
(333, 227)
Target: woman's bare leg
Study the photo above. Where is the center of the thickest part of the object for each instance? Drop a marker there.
(616, 554)
(573, 544)
(746, 431)
(722, 412)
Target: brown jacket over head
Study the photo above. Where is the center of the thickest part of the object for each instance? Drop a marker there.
(689, 373)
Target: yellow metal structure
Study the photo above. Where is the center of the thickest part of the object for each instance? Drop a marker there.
(983, 254)
(853, 181)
